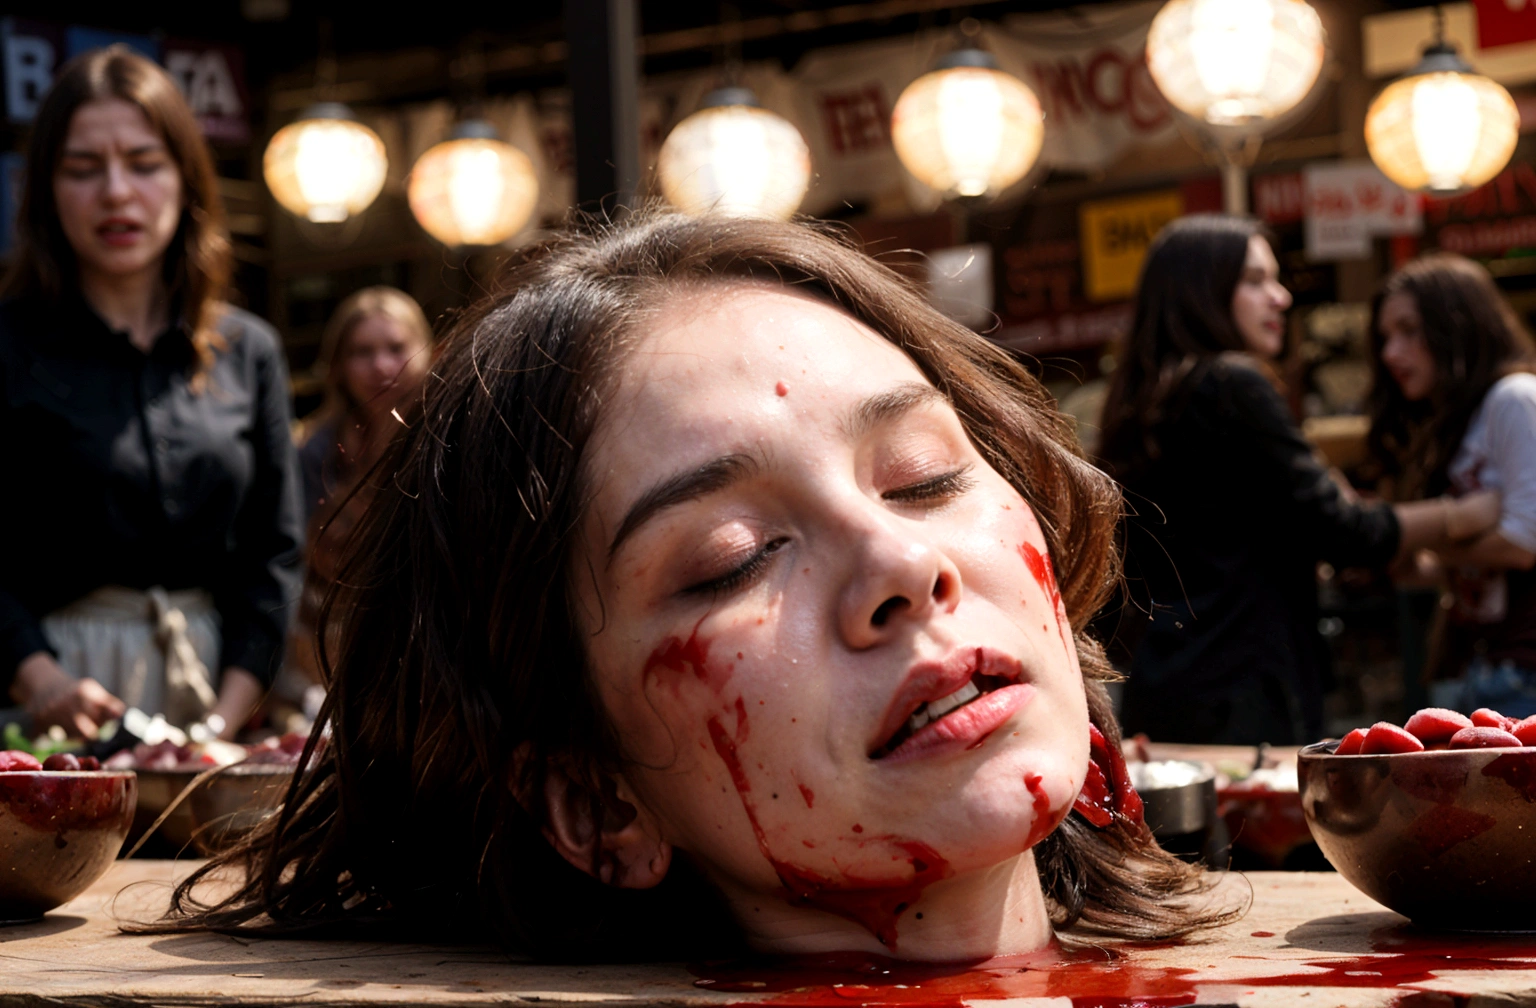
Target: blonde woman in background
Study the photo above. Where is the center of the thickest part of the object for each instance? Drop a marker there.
(375, 351)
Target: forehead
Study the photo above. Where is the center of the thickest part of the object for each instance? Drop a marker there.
(111, 120)
(725, 353)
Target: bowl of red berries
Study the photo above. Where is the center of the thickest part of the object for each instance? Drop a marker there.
(1435, 819)
(61, 824)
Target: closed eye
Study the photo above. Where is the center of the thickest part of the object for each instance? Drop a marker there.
(741, 576)
(939, 488)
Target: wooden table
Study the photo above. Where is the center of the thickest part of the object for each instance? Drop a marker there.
(1309, 939)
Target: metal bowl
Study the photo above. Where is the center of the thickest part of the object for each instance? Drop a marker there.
(220, 809)
(1446, 838)
(1183, 808)
(59, 832)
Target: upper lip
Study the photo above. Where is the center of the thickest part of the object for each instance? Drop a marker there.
(929, 680)
(117, 221)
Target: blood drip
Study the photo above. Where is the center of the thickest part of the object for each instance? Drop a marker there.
(873, 904)
(808, 795)
(1104, 798)
(781, 389)
(1044, 821)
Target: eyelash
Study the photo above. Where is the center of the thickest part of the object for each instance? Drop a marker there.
(741, 576)
(950, 484)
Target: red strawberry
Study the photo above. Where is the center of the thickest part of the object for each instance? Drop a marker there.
(1525, 731)
(15, 759)
(1484, 738)
(1351, 743)
(1436, 724)
(1389, 738)
(1485, 717)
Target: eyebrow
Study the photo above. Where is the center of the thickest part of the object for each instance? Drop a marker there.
(96, 155)
(720, 473)
(714, 475)
(884, 407)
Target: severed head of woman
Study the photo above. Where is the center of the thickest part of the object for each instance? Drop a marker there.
(720, 594)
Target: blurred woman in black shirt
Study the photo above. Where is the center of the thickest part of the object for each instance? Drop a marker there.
(1231, 511)
(152, 548)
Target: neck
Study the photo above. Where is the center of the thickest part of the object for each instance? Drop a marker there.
(981, 915)
(135, 303)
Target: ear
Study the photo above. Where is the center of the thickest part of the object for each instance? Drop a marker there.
(609, 834)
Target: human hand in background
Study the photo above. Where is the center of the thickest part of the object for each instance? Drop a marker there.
(52, 696)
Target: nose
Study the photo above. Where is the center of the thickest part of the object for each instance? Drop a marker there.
(117, 189)
(1280, 296)
(898, 580)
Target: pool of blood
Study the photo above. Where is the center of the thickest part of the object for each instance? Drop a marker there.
(1097, 977)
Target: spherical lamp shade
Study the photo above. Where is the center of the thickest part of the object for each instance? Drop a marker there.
(1235, 62)
(967, 129)
(1443, 131)
(327, 166)
(473, 189)
(734, 158)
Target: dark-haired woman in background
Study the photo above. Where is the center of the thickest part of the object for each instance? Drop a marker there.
(1230, 510)
(1453, 410)
(151, 551)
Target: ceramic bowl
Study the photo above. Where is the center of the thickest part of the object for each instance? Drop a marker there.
(59, 832)
(1446, 838)
(223, 806)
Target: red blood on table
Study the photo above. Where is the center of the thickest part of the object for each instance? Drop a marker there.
(1484, 738)
(1351, 743)
(1436, 724)
(61, 761)
(1389, 738)
(1486, 717)
(15, 759)
(1525, 731)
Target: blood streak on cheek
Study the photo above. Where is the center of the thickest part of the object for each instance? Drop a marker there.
(674, 661)
(1040, 566)
(874, 904)
(781, 390)
(808, 795)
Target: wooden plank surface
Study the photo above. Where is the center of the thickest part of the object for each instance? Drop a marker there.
(1309, 939)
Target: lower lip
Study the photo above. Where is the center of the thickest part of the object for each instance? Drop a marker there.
(965, 728)
(120, 238)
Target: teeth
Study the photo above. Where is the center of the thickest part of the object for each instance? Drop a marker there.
(938, 708)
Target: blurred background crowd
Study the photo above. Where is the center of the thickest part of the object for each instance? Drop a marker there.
(1277, 260)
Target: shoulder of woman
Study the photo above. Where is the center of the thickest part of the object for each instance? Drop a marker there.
(1513, 389)
(246, 332)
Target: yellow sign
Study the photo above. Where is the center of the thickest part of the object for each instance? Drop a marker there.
(1116, 234)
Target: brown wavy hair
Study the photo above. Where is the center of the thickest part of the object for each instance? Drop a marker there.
(461, 674)
(198, 260)
(1474, 338)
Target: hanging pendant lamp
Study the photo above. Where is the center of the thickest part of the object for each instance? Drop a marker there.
(966, 128)
(1443, 128)
(326, 166)
(473, 188)
(734, 157)
(1235, 62)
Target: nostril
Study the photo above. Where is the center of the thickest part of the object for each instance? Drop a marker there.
(940, 586)
(886, 610)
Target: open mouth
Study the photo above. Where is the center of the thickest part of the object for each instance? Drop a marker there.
(978, 686)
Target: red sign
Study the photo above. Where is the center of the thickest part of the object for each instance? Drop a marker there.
(1490, 221)
(857, 120)
(1505, 22)
(1279, 199)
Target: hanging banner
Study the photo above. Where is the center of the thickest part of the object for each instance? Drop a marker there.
(213, 79)
(1351, 202)
(1115, 235)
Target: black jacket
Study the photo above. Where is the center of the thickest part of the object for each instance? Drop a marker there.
(1228, 524)
(117, 472)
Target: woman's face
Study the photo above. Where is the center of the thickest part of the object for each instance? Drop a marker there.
(1403, 350)
(381, 358)
(825, 629)
(118, 191)
(1259, 301)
